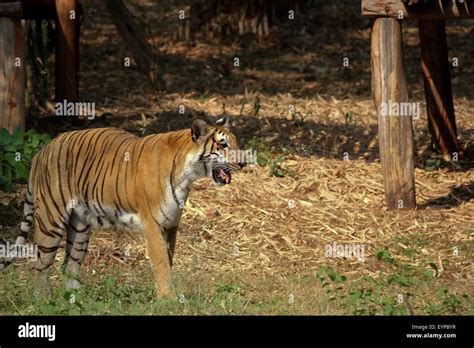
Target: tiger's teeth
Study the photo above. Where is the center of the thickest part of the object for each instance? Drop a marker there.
(224, 176)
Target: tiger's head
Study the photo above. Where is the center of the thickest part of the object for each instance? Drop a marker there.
(219, 153)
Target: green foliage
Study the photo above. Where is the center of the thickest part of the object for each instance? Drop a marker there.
(360, 297)
(68, 304)
(433, 164)
(384, 255)
(349, 117)
(16, 153)
(271, 158)
(389, 292)
(256, 106)
(447, 302)
(333, 282)
(228, 289)
(204, 96)
(437, 162)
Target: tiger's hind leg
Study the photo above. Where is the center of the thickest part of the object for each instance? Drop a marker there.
(48, 233)
(27, 221)
(24, 226)
(78, 233)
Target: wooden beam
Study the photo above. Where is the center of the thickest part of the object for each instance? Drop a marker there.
(389, 87)
(432, 9)
(12, 74)
(437, 83)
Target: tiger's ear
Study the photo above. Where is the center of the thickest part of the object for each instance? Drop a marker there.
(224, 121)
(199, 128)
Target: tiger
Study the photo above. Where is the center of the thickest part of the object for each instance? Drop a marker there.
(105, 176)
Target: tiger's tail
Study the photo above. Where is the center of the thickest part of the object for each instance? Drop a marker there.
(24, 227)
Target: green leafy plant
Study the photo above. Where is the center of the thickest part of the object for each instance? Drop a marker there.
(228, 289)
(433, 164)
(448, 302)
(360, 297)
(389, 291)
(437, 161)
(332, 281)
(67, 304)
(16, 153)
(256, 106)
(267, 157)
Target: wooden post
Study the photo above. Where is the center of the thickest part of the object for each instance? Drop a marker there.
(389, 87)
(67, 52)
(437, 82)
(12, 74)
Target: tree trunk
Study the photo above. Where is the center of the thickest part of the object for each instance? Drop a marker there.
(12, 74)
(40, 47)
(134, 38)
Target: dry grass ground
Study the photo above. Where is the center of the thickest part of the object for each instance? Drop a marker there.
(256, 246)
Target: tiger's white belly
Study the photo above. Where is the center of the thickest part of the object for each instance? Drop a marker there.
(104, 217)
(132, 220)
(99, 216)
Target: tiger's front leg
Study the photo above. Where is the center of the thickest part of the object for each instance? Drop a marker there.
(157, 248)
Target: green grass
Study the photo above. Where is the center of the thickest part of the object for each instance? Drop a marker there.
(111, 291)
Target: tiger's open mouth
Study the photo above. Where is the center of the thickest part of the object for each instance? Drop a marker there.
(222, 175)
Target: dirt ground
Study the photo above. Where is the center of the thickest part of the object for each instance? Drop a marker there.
(330, 189)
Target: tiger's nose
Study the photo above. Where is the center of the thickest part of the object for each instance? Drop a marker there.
(242, 165)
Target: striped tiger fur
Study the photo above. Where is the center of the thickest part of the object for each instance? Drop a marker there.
(106, 176)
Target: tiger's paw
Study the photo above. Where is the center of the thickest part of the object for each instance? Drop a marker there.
(165, 292)
(43, 292)
(72, 284)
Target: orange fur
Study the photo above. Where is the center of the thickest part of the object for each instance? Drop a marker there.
(107, 176)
